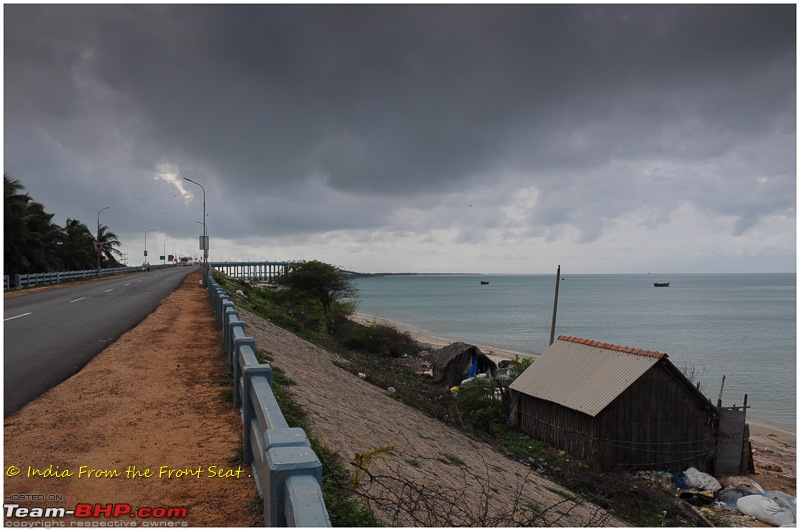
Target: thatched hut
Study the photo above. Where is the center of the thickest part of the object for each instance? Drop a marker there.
(452, 363)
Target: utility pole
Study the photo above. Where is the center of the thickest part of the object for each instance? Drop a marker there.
(555, 307)
(145, 248)
(98, 247)
(204, 239)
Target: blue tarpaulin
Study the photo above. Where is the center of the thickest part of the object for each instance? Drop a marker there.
(474, 369)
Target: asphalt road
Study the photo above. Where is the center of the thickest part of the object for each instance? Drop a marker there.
(51, 335)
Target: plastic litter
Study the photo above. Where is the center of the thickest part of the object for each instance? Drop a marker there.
(696, 497)
(473, 378)
(730, 495)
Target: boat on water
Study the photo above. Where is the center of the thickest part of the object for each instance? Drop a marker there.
(484, 282)
(661, 284)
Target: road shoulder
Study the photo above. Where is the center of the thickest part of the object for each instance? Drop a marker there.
(152, 399)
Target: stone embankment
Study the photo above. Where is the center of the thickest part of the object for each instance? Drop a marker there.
(433, 476)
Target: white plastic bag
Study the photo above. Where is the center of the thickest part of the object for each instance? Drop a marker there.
(765, 510)
(701, 480)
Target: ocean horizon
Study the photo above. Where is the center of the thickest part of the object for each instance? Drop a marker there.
(741, 326)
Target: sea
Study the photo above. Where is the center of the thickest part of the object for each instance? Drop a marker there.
(740, 326)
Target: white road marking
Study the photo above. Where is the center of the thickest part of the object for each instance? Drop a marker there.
(106, 291)
(76, 300)
(16, 316)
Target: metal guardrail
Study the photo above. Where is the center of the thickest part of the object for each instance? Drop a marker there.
(33, 279)
(288, 474)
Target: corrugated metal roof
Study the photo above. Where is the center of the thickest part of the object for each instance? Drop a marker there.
(584, 375)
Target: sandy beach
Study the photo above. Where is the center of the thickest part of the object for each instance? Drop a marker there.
(774, 449)
(435, 342)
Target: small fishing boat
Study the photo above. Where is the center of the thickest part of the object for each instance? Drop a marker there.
(661, 284)
(484, 282)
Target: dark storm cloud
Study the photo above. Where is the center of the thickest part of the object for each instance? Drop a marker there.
(352, 112)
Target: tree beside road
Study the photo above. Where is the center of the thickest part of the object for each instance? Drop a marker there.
(33, 243)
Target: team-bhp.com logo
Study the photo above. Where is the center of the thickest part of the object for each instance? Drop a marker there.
(94, 510)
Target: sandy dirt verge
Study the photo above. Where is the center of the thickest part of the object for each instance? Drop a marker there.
(149, 400)
(775, 458)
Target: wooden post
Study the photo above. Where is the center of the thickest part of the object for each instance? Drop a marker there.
(555, 307)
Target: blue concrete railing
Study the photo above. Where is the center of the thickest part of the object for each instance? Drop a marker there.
(287, 472)
(33, 279)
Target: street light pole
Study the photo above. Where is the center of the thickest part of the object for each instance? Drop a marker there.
(145, 247)
(205, 234)
(165, 251)
(98, 249)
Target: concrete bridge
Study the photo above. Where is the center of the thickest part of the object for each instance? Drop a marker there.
(264, 271)
(252, 270)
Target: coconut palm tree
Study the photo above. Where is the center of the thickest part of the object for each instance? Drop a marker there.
(15, 231)
(30, 236)
(77, 246)
(33, 243)
(43, 250)
(109, 243)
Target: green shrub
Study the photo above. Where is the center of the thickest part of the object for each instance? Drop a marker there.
(377, 339)
(479, 406)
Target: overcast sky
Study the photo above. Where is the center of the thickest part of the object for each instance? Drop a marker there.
(450, 138)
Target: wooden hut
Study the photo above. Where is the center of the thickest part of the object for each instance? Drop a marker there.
(452, 363)
(615, 407)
